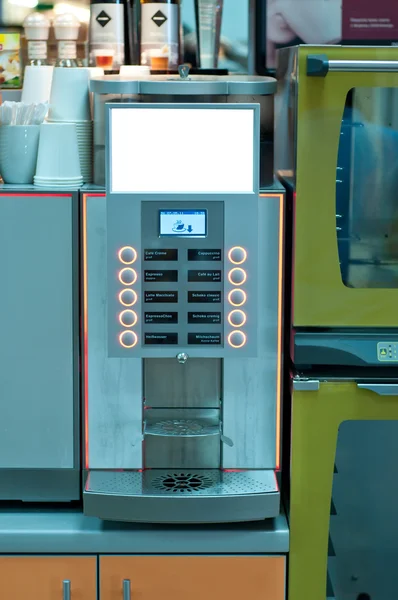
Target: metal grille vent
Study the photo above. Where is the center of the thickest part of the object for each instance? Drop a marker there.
(182, 483)
(181, 427)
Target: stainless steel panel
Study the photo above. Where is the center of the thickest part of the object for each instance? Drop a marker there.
(184, 439)
(38, 337)
(186, 384)
(204, 496)
(250, 385)
(114, 385)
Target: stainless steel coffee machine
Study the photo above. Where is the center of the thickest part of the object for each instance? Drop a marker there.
(182, 319)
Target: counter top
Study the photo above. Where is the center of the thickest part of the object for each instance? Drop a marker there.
(69, 531)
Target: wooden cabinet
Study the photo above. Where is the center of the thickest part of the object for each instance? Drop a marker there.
(193, 577)
(41, 578)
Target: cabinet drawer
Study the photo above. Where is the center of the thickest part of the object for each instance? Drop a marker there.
(193, 577)
(41, 578)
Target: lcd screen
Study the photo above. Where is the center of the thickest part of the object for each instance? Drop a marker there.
(183, 223)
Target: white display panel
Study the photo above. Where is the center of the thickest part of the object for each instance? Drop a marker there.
(176, 150)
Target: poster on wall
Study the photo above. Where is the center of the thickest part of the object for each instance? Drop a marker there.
(284, 23)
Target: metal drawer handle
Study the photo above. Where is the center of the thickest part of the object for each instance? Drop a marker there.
(126, 589)
(66, 589)
(318, 65)
(381, 389)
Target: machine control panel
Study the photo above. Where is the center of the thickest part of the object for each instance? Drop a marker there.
(387, 352)
(183, 267)
(179, 283)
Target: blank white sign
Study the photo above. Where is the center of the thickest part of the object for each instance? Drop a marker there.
(192, 150)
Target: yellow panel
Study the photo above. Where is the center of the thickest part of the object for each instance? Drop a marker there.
(316, 417)
(320, 297)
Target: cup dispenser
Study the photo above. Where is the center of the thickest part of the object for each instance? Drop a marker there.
(182, 318)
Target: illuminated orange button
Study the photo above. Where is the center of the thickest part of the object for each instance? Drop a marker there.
(237, 276)
(127, 276)
(237, 255)
(128, 297)
(128, 339)
(236, 318)
(127, 255)
(128, 318)
(237, 339)
(237, 297)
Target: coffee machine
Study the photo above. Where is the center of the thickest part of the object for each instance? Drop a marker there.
(182, 266)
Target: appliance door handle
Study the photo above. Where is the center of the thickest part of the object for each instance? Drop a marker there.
(381, 389)
(126, 589)
(66, 589)
(318, 65)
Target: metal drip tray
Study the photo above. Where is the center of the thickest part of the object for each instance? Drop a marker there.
(181, 496)
(182, 427)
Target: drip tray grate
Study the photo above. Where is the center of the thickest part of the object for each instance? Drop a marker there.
(182, 428)
(182, 483)
(161, 482)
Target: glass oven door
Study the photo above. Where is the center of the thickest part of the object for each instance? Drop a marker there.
(346, 204)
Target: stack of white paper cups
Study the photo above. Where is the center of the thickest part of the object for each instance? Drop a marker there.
(70, 103)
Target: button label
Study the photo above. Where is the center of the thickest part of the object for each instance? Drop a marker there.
(204, 276)
(161, 254)
(161, 317)
(203, 297)
(204, 255)
(161, 276)
(157, 339)
(161, 297)
(204, 338)
(204, 317)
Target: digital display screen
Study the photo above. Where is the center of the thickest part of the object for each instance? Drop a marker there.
(183, 223)
(217, 157)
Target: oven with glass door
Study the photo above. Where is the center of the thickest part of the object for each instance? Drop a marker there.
(337, 153)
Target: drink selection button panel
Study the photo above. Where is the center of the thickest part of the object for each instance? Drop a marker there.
(161, 339)
(204, 339)
(207, 276)
(161, 275)
(161, 296)
(206, 318)
(203, 254)
(161, 254)
(204, 297)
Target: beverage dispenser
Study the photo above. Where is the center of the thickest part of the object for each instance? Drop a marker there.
(182, 319)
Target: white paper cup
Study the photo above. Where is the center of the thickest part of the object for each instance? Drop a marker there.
(37, 84)
(134, 71)
(18, 152)
(58, 155)
(96, 72)
(70, 100)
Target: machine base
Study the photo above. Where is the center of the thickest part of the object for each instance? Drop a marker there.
(181, 496)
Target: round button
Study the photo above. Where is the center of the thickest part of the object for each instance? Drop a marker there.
(237, 276)
(237, 339)
(127, 255)
(128, 318)
(237, 255)
(127, 276)
(128, 297)
(237, 297)
(128, 339)
(236, 318)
